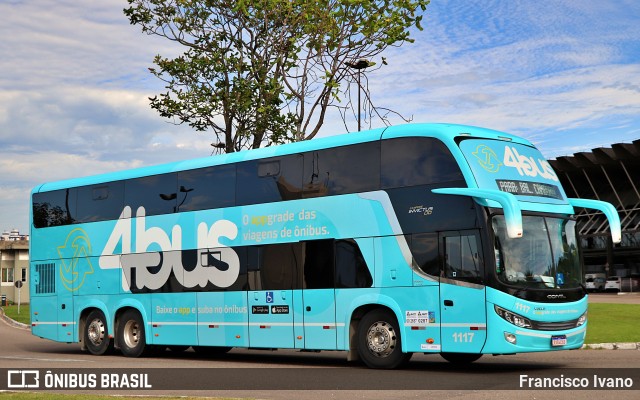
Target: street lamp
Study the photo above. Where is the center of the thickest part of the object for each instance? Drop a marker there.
(358, 66)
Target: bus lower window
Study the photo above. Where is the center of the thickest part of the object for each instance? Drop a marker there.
(462, 260)
(351, 268)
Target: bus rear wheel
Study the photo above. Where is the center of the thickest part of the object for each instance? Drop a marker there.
(379, 342)
(131, 334)
(460, 358)
(96, 334)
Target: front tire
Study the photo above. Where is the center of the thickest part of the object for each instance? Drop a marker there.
(379, 342)
(131, 334)
(96, 333)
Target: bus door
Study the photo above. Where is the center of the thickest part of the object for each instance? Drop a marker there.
(319, 319)
(273, 271)
(271, 319)
(318, 295)
(462, 293)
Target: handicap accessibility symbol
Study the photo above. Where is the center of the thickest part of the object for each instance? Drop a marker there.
(269, 297)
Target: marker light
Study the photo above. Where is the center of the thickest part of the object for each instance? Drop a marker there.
(513, 318)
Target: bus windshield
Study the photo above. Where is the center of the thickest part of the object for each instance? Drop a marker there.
(545, 257)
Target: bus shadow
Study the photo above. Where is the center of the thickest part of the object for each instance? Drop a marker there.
(336, 359)
(287, 358)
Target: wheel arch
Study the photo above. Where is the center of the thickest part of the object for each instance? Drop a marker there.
(82, 321)
(359, 310)
(124, 307)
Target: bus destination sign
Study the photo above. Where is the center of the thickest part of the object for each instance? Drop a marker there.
(525, 188)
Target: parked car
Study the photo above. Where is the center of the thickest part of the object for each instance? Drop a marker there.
(595, 284)
(630, 284)
(613, 284)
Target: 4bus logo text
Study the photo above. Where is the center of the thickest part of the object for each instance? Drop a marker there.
(139, 247)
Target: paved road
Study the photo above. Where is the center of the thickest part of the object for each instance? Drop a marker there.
(286, 375)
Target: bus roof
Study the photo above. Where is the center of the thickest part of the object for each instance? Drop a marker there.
(444, 132)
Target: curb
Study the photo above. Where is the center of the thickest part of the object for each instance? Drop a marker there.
(611, 346)
(12, 322)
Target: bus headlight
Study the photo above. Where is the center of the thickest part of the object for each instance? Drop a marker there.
(513, 318)
(582, 319)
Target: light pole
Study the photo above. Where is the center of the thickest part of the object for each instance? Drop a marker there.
(359, 65)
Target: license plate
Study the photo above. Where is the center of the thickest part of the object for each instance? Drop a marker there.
(559, 340)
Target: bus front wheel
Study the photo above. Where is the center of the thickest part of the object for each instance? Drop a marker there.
(379, 343)
(96, 334)
(131, 334)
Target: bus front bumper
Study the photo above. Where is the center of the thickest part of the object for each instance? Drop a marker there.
(506, 338)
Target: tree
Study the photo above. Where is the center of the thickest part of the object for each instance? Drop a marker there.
(265, 71)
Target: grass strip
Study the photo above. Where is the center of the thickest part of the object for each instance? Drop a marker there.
(613, 323)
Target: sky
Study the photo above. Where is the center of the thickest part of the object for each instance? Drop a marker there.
(74, 84)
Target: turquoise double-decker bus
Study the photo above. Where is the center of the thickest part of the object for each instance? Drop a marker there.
(421, 238)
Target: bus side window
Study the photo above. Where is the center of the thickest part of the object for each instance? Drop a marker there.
(424, 247)
(279, 267)
(342, 170)
(218, 258)
(204, 188)
(54, 208)
(156, 193)
(100, 202)
(462, 258)
(416, 161)
(318, 264)
(351, 268)
(269, 180)
(254, 260)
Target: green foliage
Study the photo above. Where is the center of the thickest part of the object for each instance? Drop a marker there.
(265, 71)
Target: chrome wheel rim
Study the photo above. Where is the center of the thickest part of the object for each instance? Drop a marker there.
(95, 332)
(381, 339)
(131, 334)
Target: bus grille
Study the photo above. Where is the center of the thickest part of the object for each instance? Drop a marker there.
(47, 281)
(554, 326)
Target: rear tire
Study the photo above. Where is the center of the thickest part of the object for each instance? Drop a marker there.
(96, 333)
(379, 342)
(460, 358)
(131, 334)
